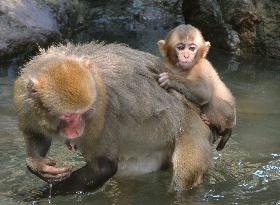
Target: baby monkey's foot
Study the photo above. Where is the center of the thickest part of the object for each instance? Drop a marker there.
(205, 119)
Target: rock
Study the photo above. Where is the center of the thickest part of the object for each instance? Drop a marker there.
(120, 17)
(243, 27)
(243, 16)
(207, 16)
(268, 31)
(124, 21)
(25, 24)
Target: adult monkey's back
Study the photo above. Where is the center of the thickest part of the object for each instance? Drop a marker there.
(105, 99)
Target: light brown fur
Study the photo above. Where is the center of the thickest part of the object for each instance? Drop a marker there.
(197, 80)
(131, 123)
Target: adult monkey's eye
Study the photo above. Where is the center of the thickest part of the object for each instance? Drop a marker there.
(180, 47)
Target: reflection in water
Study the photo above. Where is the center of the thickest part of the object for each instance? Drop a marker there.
(247, 171)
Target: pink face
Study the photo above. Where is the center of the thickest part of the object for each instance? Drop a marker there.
(72, 124)
(186, 54)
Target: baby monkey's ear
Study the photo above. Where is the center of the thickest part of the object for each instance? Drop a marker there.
(206, 48)
(162, 47)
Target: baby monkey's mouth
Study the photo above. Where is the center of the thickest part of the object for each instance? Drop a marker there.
(185, 64)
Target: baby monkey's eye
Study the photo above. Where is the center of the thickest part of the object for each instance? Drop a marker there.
(192, 48)
(180, 47)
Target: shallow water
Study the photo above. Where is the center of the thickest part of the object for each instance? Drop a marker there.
(247, 171)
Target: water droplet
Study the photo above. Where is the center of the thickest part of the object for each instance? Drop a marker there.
(50, 193)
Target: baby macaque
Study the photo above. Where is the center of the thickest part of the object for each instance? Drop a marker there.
(190, 73)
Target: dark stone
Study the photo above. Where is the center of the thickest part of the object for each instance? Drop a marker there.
(27, 24)
(268, 31)
(207, 16)
(243, 27)
(244, 18)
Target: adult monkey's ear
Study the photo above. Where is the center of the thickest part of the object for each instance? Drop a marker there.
(206, 48)
(86, 61)
(33, 85)
(162, 47)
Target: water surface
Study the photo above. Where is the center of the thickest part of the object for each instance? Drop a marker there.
(247, 171)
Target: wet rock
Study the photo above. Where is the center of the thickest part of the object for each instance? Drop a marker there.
(244, 18)
(208, 17)
(120, 17)
(122, 21)
(24, 25)
(243, 27)
(239, 26)
(268, 31)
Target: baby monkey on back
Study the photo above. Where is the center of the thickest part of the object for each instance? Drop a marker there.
(190, 73)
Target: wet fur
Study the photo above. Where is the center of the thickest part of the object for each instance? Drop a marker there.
(133, 121)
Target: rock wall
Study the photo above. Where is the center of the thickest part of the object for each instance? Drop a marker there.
(25, 24)
(268, 31)
(122, 20)
(243, 27)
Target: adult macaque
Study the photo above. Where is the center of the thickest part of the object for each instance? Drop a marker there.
(107, 100)
(191, 74)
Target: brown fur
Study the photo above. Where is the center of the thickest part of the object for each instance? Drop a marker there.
(76, 91)
(132, 127)
(200, 83)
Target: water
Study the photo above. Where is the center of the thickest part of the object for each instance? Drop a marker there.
(247, 171)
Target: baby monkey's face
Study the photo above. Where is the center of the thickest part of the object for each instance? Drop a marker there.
(186, 53)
